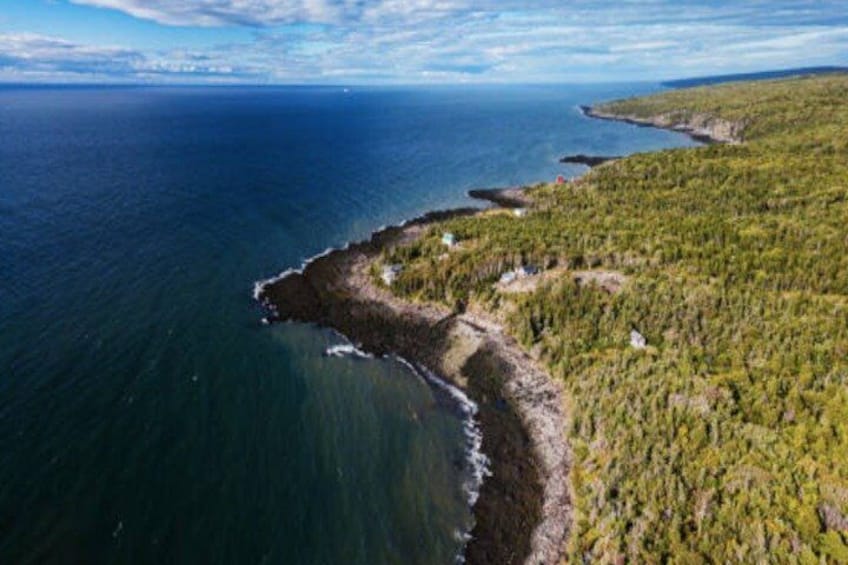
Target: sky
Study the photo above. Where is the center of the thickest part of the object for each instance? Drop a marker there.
(411, 41)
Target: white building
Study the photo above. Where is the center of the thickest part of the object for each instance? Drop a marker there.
(390, 273)
(508, 277)
(637, 340)
(448, 239)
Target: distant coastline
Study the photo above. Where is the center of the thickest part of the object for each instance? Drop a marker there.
(700, 127)
(764, 75)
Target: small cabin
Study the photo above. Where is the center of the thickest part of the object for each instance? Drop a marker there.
(560, 179)
(448, 239)
(390, 273)
(637, 340)
(519, 212)
(508, 277)
(528, 271)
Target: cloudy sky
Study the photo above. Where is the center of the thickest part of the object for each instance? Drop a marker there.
(411, 41)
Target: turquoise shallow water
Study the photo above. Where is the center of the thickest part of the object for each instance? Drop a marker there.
(145, 415)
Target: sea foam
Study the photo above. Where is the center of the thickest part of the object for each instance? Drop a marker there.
(477, 460)
(259, 286)
(346, 350)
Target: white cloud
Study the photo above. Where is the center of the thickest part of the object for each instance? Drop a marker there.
(38, 52)
(458, 40)
(217, 12)
(28, 55)
(271, 12)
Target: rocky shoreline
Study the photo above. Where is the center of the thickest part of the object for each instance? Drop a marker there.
(588, 160)
(700, 127)
(514, 197)
(523, 513)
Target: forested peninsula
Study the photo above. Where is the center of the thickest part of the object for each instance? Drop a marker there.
(689, 311)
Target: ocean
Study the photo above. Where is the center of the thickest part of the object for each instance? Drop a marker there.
(146, 415)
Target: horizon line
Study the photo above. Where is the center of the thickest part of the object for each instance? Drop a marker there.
(727, 77)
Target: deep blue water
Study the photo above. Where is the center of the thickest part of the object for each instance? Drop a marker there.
(145, 415)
